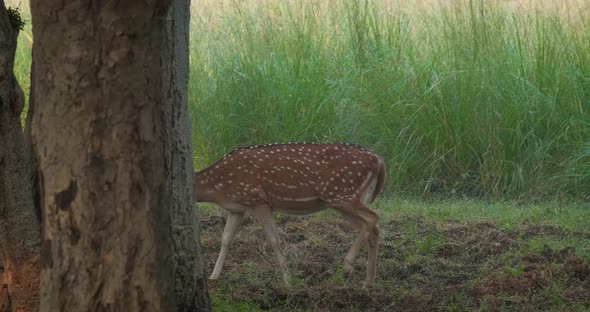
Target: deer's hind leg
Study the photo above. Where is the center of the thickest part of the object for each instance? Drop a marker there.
(355, 248)
(365, 220)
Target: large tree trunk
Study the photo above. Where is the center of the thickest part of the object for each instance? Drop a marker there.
(100, 134)
(191, 281)
(20, 234)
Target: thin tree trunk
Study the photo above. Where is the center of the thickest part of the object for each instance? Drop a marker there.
(20, 234)
(191, 281)
(100, 139)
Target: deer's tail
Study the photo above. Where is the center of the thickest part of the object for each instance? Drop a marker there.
(380, 179)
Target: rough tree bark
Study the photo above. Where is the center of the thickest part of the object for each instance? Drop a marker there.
(191, 280)
(20, 234)
(106, 166)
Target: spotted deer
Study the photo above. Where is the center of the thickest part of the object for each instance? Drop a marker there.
(298, 179)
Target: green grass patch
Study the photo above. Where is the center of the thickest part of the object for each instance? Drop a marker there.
(506, 214)
(227, 305)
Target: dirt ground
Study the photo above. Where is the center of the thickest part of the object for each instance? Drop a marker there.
(443, 266)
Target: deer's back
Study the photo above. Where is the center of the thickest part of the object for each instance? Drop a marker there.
(293, 172)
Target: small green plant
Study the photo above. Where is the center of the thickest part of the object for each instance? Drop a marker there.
(428, 244)
(338, 277)
(15, 18)
(517, 271)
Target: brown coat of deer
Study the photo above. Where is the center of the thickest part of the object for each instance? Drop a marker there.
(299, 179)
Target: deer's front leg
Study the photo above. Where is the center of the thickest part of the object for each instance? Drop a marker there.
(231, 228)
(264, 216)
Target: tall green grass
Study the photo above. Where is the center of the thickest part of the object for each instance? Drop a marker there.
(470, 98)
